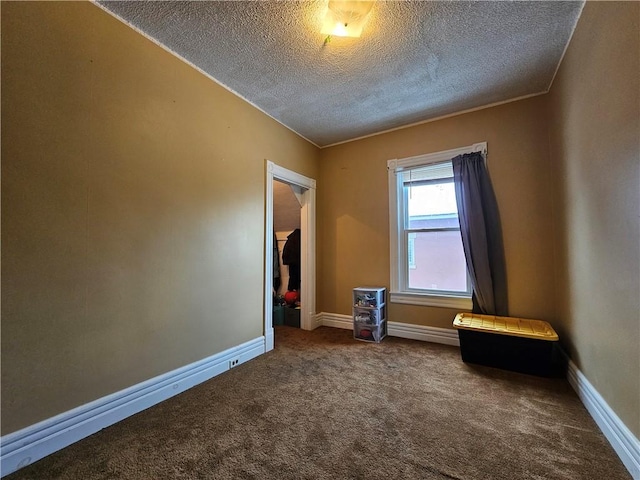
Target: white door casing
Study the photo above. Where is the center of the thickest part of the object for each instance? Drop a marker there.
(308, 248)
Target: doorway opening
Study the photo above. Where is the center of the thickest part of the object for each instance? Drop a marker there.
(287, 202)
(304, 189)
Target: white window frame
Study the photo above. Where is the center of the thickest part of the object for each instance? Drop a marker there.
(399, 291)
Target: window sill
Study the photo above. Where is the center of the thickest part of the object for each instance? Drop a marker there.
(444, 301)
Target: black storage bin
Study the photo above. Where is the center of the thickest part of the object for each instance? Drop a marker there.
(292, 317)
(516, 344)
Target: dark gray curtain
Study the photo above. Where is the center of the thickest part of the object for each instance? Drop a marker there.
(481, 234)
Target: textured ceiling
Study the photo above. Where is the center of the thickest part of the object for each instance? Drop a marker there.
(415, 61)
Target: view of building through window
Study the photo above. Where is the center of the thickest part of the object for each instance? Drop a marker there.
(434, 245)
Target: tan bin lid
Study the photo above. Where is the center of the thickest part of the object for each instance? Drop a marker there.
(517, 327)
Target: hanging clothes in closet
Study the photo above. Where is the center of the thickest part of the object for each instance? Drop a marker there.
(277, 280)
(291, 257)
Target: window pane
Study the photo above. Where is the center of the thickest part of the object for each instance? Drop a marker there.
(439, 262)
(432, 206)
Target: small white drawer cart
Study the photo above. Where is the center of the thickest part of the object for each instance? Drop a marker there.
(370, 314)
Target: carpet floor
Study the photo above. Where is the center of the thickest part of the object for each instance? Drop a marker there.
(324, 406)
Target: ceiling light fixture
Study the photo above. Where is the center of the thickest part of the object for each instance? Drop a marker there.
(345, 18)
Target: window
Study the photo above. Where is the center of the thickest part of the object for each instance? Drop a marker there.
(428, 265)
(434, 245)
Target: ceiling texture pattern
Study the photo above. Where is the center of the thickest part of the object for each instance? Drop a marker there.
(415, 60)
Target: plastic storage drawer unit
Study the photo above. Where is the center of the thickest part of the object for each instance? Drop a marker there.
(517, 344)
(369, 314)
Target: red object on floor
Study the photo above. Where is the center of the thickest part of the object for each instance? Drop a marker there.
(291, 297)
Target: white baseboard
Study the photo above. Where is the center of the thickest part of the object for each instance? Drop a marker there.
(317, 321)
(32, 443)
(446, 336)
(619, 436)
(335, 320)
(396, 329)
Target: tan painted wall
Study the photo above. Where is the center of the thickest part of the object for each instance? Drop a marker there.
(132, 210)
(595, 152)
(353, 207)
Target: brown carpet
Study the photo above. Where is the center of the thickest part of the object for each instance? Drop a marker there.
(324, 406)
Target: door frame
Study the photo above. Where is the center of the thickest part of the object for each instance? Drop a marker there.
(308, 317)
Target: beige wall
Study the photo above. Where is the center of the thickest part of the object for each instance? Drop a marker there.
(132, 210)
(595, 154)
(354, 213)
